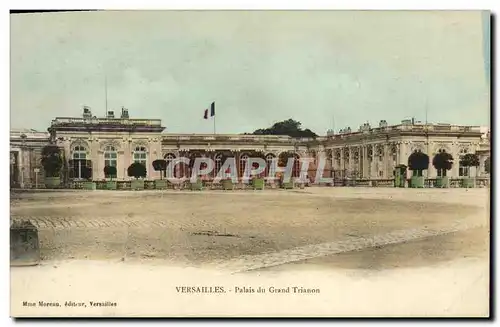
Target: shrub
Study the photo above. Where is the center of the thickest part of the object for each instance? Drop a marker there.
(442, 161)
(51, 160)
(110, 172)
(137, 170)
(418, 162)
(160, 165)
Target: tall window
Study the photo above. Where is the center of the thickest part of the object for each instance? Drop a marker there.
(243, 164)
(380, 154)
(110, 156)
(269, 165)
(218, 164)
(462, 171)
(169, 158)
(394, 154)
(79, 160)
(140, 155)
(296, 166)
(79, 152)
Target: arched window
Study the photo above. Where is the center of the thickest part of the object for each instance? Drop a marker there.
(110, 156)
(380, 153)
(218, 164)
(356, 156)
(170, 172)
(337, 158)
(394, 151)
(269, 165)
(140, 155)
(296, 166)
(462, 171)
(79, 161)
(243, 163)
(79, 152)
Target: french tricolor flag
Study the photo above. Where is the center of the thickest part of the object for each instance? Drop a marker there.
(212, 111)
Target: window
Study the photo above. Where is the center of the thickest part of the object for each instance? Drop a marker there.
(140, 155)
(243, 162)
(218, 164)
(296, 166)
(462, 171)
(269, 165)
(110, 156)
(169, 158)
(79, 161)
(356, 157)
(79, 152)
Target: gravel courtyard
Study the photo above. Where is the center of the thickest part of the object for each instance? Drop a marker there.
(369, 252)
(215, 227)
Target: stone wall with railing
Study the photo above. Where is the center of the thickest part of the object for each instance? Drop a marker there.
(480, 182)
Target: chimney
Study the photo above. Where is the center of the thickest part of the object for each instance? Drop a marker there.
(124, 113)
(382, 123)
(111, 115)
(87, 113)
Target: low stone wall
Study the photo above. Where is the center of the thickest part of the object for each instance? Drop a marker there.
(480, 182)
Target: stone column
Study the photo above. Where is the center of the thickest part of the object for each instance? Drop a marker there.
(350, 160)
(342, 163)
(367, 163)
(386, 161)
(455, 152)
(403, 159)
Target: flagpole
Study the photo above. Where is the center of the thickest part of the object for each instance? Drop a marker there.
(106, 94)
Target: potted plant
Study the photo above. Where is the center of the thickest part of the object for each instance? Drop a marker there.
(443, 162)
(469, 160)
(88, 184)
(110, 172)
(52, 164)
(161, 166)
(257, 181)
(137, 170)
(417, 163)
(282, 162)
(227, 181)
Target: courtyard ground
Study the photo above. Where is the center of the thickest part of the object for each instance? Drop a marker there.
(138, 246)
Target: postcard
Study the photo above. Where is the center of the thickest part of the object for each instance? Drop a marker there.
(250, 164)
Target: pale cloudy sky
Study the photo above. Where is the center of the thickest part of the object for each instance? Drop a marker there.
(259, 67)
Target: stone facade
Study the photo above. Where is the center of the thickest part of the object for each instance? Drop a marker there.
(369, 153)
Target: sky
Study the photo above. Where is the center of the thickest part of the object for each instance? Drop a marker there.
(326, 69)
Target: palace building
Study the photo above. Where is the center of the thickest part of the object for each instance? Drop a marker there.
(367, 153)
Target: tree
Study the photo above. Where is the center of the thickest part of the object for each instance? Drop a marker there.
(469, 160)
(160, 165)
(288, 127)
(51, 160)
(110, 172)
(442, 161)
(418, 162)
(137, 170)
